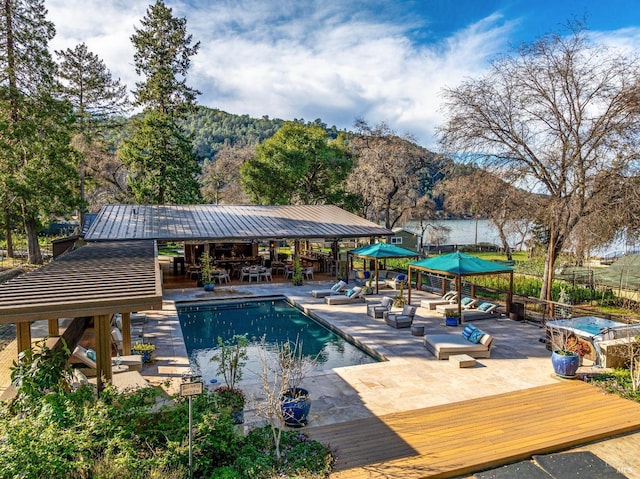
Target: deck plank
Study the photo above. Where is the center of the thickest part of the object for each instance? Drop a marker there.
(460, 438)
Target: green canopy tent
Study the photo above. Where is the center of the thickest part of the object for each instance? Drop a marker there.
(459, 265)
(380, 251)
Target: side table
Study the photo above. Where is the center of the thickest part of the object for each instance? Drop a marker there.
(417, 330)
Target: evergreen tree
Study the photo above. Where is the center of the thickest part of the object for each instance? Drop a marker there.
(37, 164)
(97, 100)
(160, 160)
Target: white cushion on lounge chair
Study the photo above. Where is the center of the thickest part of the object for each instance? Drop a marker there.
(444, 345)
(442, 308)
(487, 312)
(448, 298)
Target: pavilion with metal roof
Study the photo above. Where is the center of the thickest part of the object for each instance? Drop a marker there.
(218, 223)
(93, 281)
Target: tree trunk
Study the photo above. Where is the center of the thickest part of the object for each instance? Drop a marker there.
(33, 247)
(505, 243)
(8, 234)
(555, 245)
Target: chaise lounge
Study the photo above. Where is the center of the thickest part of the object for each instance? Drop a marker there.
(449, 297)
(466, 303)
(483, 311)
(354, 295)
(472, 342)
(337, 288)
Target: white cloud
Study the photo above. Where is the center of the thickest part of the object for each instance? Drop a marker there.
(290, 59)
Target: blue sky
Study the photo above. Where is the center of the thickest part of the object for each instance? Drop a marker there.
(337, 60)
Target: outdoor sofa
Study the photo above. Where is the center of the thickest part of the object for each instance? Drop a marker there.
(472, 342)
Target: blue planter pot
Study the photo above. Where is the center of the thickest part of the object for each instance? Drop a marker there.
(209, 287)
(565, 366)
(295, 407)
(451, 320)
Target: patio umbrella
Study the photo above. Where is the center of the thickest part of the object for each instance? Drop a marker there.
(380, 251)
(458, 265)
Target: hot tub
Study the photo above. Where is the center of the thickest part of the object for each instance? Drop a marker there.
(593, 329)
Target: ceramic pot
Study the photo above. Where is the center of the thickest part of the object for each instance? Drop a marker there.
(295, 405)
(564, 365)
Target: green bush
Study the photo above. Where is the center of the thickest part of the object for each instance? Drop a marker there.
(52, 431)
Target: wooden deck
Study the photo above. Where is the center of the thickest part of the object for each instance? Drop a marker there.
(470, 436)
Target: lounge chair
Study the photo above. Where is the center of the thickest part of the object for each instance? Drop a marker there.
(354, 295)
(472, 342)
(483, 311)
(87, 357)
(376, 310)
(402, 319)
(337, 288)
(448, 298)
(466, 303)
(394, 283)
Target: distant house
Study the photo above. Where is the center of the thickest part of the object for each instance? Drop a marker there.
(405, 239)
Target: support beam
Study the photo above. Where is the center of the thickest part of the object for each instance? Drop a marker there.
(54, 327)
(23, 336)
(126, 334)
(102, 327)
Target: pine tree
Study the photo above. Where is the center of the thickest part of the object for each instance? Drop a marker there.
(97, 99)
(37, 164)
(161, 160)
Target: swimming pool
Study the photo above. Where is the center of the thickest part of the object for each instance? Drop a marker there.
(275, 319)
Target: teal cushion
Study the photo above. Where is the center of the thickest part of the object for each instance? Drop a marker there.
(484, 306)
(468, 329)
(91, 354)
(466, 300)
(476, 336)
(349, 293)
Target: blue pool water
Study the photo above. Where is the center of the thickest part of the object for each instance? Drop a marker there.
(276, 320)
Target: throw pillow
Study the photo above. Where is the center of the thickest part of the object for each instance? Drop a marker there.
(465, 301)
(91, 354)
(400, 277)
(468, 329)
(335, 287)
(484, 306)
(476, 336)
(349, 293)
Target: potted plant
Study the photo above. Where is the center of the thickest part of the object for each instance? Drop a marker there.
(295, 402)
(451, 317)
(232, 357)
(369, 288)
(145, 350)
(568, 351)
(296, 279)
(399, 300)
(206, 263)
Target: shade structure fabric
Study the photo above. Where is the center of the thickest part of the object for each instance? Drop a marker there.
(379, 251)
(382, 250)
(461, 264)
(458, 265)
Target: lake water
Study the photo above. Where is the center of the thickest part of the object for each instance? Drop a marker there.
(463, 232)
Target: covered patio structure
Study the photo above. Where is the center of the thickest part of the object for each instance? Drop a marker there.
(378, 251)
(90, 284)
(459, 265)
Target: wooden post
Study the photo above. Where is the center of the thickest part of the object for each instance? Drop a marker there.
(126, 334)
(23, 336)
(510, 293)
(102, 326)
(54, 327)
(409, 285)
